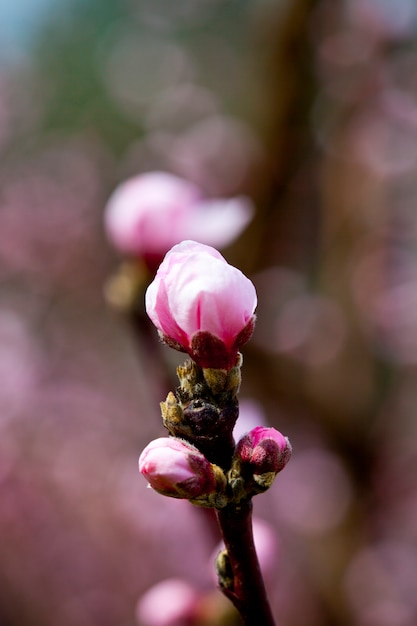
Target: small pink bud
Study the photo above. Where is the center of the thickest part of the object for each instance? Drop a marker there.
(264, 449)
(202, 305)
(176, 468)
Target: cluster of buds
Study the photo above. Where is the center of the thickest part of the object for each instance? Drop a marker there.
(205, 307)
(176, 468)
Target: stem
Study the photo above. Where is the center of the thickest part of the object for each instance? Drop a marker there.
(248, 592)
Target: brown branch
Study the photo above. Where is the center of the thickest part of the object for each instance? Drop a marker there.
(246, 589)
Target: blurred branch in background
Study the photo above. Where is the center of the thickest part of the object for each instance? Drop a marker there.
(309, 108)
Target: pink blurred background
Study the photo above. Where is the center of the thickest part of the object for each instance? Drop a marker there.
(310, 109)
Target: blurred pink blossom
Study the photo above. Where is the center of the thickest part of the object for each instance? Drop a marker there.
(148, 214)
(172, 602)
(201, 304)
(144, 214)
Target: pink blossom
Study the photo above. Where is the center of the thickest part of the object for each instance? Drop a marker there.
(176, 468)
(148, 214)
(202, 305)
(264, 449)
(171, 602)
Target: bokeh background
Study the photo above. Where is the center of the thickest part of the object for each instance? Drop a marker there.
(310, 109)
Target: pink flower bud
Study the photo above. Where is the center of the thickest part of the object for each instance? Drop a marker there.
(264, 449)
(146, 215)
(176, 468)
(202, 305)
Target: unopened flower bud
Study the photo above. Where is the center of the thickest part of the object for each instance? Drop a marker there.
(264, 450)
(176, 468)
(202, 305)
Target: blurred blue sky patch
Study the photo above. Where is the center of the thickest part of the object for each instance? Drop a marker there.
(19, 23)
